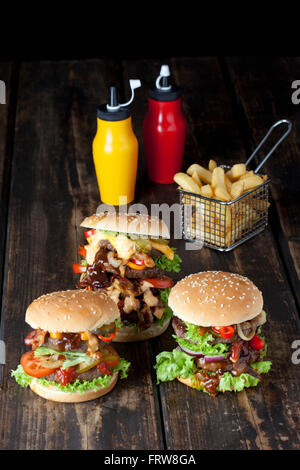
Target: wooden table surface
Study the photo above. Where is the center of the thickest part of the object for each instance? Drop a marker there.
(48, 186)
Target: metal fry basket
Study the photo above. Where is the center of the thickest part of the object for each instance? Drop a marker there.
(225, 225)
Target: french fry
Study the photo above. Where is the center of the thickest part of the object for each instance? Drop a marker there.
(216, 224)
(218, 184)
(249, 214)
(252, 181)
(237, 188)
(204, 174)
(187, 183)
(206, 190)
(186, 198)
(260, 205)
(216, 235)
(237, 170)
(228, 183)
(248, 173)
(212, 165)
(196, 178)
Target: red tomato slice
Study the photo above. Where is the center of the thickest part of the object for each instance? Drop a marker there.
(32, 365)
(111, 361)
(110, 356)
(160, 283)
(78, 268)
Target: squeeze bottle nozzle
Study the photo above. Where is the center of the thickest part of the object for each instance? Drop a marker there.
(113, 105)
(164, 74)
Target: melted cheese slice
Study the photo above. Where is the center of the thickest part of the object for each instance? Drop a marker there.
(124, 246)
(93, 246)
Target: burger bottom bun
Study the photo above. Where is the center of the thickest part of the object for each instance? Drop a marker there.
(50, 392)
(129, 335)
(187, 382)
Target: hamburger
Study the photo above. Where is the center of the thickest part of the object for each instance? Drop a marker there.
(71, 359)
(128, 255)
(217, 323)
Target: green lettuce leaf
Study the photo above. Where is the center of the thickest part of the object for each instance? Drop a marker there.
(123, 368)
(78, 386)
(168, 313)
(120, 324)
(202, 343)
(73, 358)
(170, 365)
(229, 383)
(20, 376)
(262, 367)
(177, 363)
(169, 265)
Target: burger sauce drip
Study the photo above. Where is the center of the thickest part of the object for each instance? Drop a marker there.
(241, 357)
(96, 275)
(68, 342)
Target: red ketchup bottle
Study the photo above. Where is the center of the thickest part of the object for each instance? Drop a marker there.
(164, 130)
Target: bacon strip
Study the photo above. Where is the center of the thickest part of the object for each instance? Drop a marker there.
(35, 338)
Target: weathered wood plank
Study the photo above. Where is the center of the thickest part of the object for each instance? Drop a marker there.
(260, 418)
(9, 79)
(263, 88)
(8, 74)
(53, 188)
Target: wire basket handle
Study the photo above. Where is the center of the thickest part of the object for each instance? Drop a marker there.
(282, 121)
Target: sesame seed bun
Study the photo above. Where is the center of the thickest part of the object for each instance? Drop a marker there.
(139, 224)
(131, 334)
(72, 311)
(50, 392)
(215, 298)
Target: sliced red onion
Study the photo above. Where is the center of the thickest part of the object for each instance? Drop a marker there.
(190, 352)
(214, 358)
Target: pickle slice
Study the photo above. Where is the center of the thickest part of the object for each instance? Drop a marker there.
(87, 365)
(162, 241)
(143, 244)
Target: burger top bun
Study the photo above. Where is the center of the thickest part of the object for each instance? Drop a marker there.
(72, 311)
(215, 298)
(139, 224)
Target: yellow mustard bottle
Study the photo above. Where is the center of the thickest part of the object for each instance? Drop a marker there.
(115, 150)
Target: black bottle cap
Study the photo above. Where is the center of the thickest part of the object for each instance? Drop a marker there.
(105, 115)
(161, 95)
(164, 90)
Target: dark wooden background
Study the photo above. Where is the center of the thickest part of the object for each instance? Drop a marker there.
(48, 186)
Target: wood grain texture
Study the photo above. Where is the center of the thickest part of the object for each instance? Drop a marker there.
(252, 419)
(8, 74)
(263, 88)
(53, 188)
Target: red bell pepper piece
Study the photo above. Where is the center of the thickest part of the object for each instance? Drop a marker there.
(257, 343)
(224, 331)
